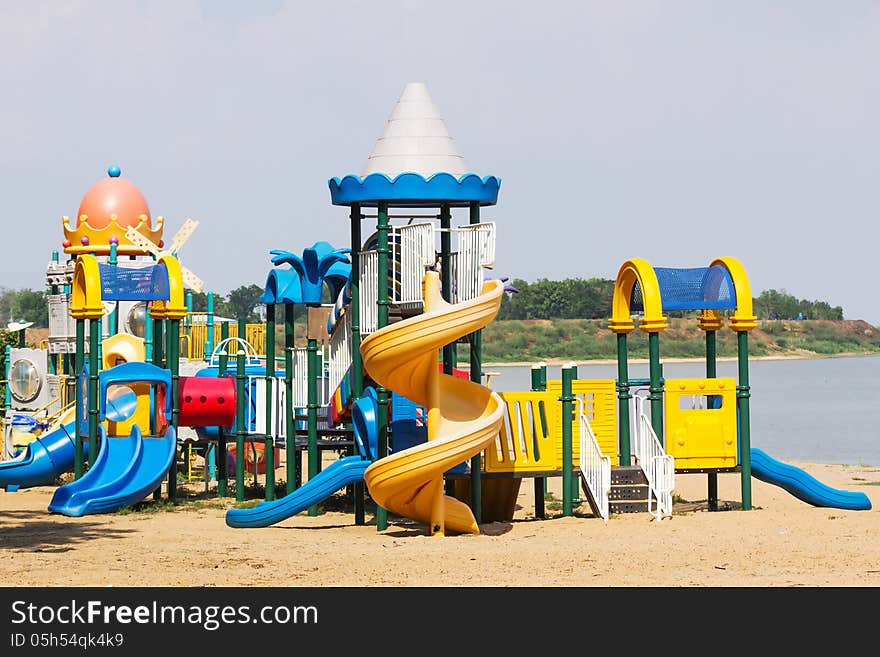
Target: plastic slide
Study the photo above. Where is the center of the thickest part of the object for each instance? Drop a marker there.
(463, 416)
(126, 470)
(345, 471)
(803, 485)
(335, 476)
(48, 456)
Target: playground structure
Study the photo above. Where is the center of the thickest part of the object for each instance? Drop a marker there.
(428, 441)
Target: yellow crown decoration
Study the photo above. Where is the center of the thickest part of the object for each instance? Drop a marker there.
(87, 239)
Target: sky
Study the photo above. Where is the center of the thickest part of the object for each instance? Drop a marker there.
(676, 132)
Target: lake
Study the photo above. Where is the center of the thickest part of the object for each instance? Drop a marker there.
(824, 410)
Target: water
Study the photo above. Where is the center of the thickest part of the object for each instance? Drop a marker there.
(823, 410)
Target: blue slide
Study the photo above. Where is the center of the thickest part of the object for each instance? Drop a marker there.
(338, 474)
(126, 470)
(803, 485)
(347, 470)
(48, 456)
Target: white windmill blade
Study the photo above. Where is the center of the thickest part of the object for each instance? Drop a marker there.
(190, 280)
(138, 239)
(182, 235)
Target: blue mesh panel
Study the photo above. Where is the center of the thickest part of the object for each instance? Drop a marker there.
(698, 288)
(119, 283)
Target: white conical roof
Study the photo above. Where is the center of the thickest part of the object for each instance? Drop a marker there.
(415, 139)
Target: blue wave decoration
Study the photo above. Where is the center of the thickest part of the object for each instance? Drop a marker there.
(414, 190)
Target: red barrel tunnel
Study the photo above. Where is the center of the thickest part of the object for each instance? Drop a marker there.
(205, 401)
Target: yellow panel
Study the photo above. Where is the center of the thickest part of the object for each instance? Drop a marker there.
(528, 438)
(600, 407)
(141, 415)
(697, 435)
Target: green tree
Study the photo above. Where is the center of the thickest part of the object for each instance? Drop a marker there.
(31, 306)
(243, 300)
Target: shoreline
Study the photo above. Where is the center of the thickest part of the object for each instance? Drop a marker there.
(557, 362)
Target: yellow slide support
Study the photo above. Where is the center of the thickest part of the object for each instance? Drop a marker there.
(463, 416)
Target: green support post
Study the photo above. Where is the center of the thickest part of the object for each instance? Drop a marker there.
(476, 357)
(239, 424)
(742, 398)
(94, 369)
(148, 338)
(382, 302)
(711, 373)
(173, 363)
(222, 468)
(269, 447)
(78, 466)
(569, 373)
(357, 368)
(290, 426)
(539, 384)
(623, 397)
(655, 393)
(312, 409)
(7, 356)
(113, 318)
(209, 326)
(446, 278)
(158, 361)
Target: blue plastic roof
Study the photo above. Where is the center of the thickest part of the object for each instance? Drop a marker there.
(414, 190)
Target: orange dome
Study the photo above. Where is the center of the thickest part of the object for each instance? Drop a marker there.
(113, 195)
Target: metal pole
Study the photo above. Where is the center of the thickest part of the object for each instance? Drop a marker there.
(158, 350)
(312, 410)
(623, 397)
(357, 372)
(113, 319)
(94, 365)
(711, 373)
(290, 427)
(209, 326)
(78, 466)
(173, 360)
(269, 446)
(476, 356)
(656, 388)
(539, 384)
(569, 373)
(239, 424)
(222, 468)
(383, 302)
(742, 398)
(446, 278)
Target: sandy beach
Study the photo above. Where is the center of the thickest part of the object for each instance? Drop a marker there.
(780, 542)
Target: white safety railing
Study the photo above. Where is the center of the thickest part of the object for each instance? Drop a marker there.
(369, 292)
(658, 466)
(412, 246)
(340, 352)
(476, 250)
(595, 466)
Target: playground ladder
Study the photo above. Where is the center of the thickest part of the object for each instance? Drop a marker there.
(658, 466)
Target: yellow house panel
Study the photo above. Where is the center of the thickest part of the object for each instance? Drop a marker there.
(701, 423)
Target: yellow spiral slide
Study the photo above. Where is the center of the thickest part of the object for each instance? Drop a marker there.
(463, 416)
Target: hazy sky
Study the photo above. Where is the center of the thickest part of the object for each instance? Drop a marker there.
(672, 131)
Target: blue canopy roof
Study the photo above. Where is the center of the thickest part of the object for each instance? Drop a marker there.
(414, 190)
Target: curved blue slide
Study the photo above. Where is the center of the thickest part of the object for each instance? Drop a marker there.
(48, 456)
(347, 470)
(803, 485)
(126, 470)
(338, 474)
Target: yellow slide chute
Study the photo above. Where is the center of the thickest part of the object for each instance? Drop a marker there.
(463, 416)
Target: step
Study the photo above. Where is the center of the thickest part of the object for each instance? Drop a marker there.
(628, 475)
(628, 492)
(617, 507)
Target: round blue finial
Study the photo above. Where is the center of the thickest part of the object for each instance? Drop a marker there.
(114, 171)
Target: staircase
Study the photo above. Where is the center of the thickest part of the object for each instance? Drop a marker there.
(629, 490)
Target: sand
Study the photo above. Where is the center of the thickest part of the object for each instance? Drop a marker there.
(780, 542)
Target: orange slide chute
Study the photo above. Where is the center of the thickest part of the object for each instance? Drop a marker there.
(463, 416)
